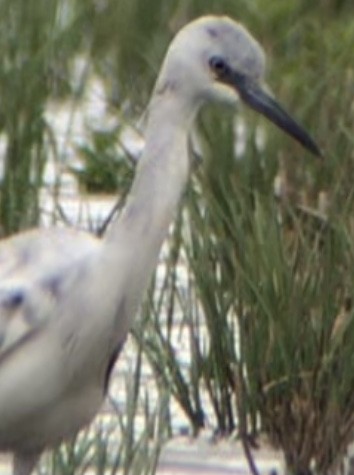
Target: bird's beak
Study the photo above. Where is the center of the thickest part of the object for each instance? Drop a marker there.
(258, 99)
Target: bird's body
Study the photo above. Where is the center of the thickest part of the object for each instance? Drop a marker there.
(43, 396)
(66, 278)
(78, 295)
(68, 299)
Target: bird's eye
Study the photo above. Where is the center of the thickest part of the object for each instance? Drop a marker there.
(218, 65)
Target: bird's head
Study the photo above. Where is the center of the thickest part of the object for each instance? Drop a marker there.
(216, 59)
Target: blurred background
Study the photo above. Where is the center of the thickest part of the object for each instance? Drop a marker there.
(247, 330)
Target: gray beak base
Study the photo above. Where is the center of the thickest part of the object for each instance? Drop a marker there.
(260, 101)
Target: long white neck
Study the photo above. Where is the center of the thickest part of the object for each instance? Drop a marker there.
(121, 271)
(160, 177)
(159, 182)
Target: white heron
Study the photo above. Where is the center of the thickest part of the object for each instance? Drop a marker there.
(68, 299)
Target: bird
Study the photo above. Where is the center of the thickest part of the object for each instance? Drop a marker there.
(67, 298)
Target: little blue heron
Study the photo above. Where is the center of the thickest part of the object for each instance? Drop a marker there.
(68, 299)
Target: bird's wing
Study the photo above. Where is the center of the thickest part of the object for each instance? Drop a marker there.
(24, 309)
(32, 266)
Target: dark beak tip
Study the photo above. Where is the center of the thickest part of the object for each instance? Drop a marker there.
(259, 100)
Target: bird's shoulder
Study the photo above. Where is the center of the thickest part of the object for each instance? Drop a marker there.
(33, 266)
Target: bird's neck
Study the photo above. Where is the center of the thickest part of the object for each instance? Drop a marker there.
(159, 182)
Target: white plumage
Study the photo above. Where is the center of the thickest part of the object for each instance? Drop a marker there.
(68, 299)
